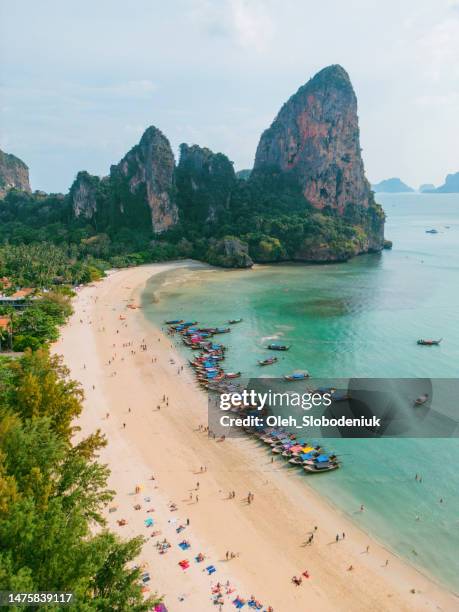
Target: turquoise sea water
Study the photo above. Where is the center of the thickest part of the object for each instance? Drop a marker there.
(358, 319)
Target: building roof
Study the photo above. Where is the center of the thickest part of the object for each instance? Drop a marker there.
(22, 293)
(5, 322)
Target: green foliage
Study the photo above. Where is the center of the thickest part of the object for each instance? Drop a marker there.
(52, 534)
(267, 210)
(38, 324)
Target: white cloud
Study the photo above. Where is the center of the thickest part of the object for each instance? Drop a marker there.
(247, 23)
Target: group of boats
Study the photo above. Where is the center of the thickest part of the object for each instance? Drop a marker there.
(313, 459)
(210, 374)
(207, 366)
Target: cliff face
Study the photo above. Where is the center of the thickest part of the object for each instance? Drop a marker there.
(14, 174)
(315, 138)
(83, 193)
(205, 181)
(148, 170)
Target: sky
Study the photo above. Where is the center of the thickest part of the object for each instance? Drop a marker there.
(81, 80)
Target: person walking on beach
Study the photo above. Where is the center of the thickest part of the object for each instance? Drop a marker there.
(337, 538)
(368, 548)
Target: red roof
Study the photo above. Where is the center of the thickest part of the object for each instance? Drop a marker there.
(22, 293)
(5, 322)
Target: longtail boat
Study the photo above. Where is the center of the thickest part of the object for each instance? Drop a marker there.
(269, 361)
(296, 376)
(429, 342)
(234, 321)
(278, 347)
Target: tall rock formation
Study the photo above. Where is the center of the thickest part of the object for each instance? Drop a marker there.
(315, 138)
(148, 172)
(138, 194)
(83, 194)
(205, 181)
(14, 174)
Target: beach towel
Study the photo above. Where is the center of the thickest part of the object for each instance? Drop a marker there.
(184, 545)
(239, 603)
(180, 529)
(210, 569)
(198, 560)
(160, 608)
(148, 522)
(185, 564)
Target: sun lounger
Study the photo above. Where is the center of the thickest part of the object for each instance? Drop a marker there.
(210, 569)
(185, 564)
(184, 545)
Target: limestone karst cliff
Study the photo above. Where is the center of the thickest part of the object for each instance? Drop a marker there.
(315, 138)
(14, 174)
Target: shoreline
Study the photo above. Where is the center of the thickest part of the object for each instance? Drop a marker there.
(282, 513)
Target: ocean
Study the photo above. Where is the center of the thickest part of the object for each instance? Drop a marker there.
(358, 319)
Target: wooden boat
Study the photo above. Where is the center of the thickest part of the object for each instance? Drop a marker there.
(221, 330)
(296, 376)
(317, 468)
(422, 399)
(278, 347)
(269, 361)
(432, 231)
(234, 321)
(232, 375)
(424, 342)
(174, 322)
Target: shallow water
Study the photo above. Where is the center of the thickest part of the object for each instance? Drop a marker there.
(358, 319)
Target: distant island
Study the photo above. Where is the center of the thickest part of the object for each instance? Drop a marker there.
(306, 199)
(392, 185)
(426, 187)
(451, 184)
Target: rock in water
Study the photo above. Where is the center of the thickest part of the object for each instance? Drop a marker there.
(315, 138)
(148, 172)
(14, 174)
(229, 252)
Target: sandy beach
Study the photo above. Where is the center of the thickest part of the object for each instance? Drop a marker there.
(124, 386)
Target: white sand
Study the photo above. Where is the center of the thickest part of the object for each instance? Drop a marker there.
(268, 534)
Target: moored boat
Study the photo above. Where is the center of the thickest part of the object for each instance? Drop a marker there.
(278, 347)
(265, 362)
(425, 342)
(233, 375)
(325, 466)
(234, 321)
(296, 376)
